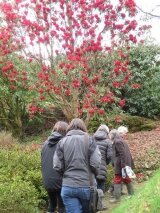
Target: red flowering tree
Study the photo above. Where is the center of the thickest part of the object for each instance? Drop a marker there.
(14, 81)
(70, 40)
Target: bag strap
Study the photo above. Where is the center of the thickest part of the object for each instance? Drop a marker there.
(86, 141)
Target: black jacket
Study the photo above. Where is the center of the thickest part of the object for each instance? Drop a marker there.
(105, 147)
(51, 179)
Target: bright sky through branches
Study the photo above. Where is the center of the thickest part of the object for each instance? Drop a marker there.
(152, 6)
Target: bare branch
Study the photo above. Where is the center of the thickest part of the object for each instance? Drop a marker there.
(155, 8)
(149, 13)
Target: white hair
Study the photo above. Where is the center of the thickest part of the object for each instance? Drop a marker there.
(122, 130)
(113, 133)
(104, 128)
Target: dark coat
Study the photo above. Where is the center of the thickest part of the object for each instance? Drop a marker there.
(121, 155)
(105, 147)
(51, 179)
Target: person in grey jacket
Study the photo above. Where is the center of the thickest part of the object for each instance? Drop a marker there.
(51, 179)
(105, 147)
(74, 154)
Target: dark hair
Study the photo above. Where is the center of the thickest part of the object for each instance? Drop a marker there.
(61, 127)
(77, 123)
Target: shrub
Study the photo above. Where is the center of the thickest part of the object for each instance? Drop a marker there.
(114, 120)
(110, 176)
(6, 139)
(18, 196)
(137, 123)
(144, 101)
(21, 185)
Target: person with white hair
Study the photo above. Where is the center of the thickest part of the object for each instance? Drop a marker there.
(121, 158)
(123, 130)
(105, 147)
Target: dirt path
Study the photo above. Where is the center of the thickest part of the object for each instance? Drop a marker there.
(111, 206)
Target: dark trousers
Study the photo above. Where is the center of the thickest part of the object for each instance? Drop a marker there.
(55, 200)
(101, 184)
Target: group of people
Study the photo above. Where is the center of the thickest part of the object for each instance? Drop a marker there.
(71, 159)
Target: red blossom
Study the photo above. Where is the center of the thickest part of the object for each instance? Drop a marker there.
(67, 92)
(57, 90)
(86, 106)
(13, 87)
(41, 90)
(88, 95)
(136, 86)
(118, 119)
(101, 111)
(126, 79)
(76, 84)
(122, 103)
(109, 98)
(117, 84)
(117, 63)
(92, 90)
(92, 111)
(70, 44)
(42, 98)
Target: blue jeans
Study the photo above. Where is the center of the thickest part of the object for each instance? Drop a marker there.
(76, 200)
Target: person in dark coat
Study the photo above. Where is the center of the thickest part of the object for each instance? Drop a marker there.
(51, 179)
(121, 158)
(105, 147)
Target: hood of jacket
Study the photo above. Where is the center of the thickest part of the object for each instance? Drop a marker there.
(54, 138)
(75, 132)
(100, 135)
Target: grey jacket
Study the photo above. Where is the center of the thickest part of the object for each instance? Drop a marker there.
(70, 159)
(51, 179)
(105, 147)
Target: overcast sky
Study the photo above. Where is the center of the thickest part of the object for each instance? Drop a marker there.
(148, 6)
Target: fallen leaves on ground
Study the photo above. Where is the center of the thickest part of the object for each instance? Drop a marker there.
(145, 149)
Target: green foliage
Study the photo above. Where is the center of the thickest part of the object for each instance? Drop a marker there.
(137, 123)
(145, 67)
(146, 200)
(116, 118)
(21, 185)
(14, 95)
(94, 124)
(110, 176)
(35, 125)
(18, 196)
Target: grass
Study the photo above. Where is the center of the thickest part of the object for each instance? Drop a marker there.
(146, 199)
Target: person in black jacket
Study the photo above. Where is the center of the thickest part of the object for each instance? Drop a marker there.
(105, 147)
(51, 179)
